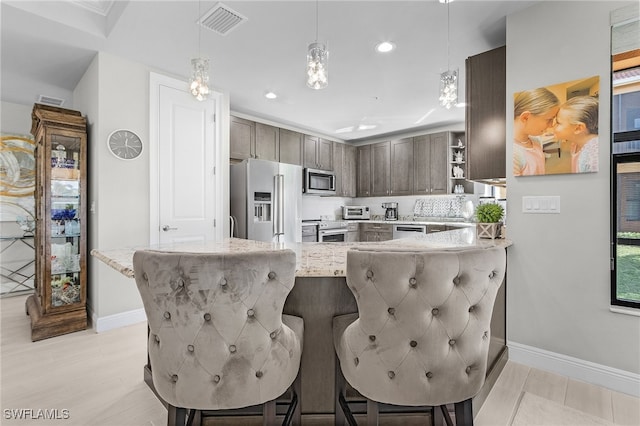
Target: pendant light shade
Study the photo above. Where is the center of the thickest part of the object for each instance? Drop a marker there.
(449, 88)
(317, 62)
(200, 78)
(448, 79)
(199, 83)
(317, 66)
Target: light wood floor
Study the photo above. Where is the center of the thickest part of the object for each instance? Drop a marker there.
(98, 379)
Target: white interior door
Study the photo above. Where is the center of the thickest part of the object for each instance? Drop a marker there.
(185, 166)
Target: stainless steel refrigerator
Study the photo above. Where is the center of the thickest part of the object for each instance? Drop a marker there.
(266, 200)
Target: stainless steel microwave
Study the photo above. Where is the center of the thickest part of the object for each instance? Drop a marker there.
(319, 182)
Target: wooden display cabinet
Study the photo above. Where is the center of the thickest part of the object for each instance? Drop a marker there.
(58, 305)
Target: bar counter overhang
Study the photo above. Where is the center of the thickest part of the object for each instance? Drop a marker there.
(320, 293)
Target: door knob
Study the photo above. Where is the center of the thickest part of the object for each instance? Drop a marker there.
(168, 228)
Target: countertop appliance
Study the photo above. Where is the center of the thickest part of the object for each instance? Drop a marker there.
(332, 231)
(403, 231)
(356, 212)
(310, 231)
(319, 182)
(266, 201)
(391, 211)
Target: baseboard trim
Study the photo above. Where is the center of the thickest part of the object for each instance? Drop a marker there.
(575, 368)
(123, 319)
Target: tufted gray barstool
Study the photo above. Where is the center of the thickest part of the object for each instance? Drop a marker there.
(217, 337)
(421, 335)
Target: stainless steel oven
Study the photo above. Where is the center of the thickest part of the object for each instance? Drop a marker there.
(309, 232)
(330, 231)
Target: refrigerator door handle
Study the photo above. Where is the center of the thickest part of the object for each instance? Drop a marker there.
(278, 222)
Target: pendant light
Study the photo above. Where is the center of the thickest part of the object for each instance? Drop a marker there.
(317, 62)
(199, 84)
(449, 78)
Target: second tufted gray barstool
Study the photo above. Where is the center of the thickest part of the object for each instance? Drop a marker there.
(421, 335)
(217, 337)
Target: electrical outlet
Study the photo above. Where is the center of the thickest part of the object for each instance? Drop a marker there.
(541, 204)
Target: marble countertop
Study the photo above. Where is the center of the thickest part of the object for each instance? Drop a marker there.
(313, 259)
(421, 221)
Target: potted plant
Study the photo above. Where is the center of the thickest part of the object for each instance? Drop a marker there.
(489, 220)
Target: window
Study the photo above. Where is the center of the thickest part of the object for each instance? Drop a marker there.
(625, 179)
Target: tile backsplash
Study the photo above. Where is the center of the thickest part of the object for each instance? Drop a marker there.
(434, 206)
(314, 207)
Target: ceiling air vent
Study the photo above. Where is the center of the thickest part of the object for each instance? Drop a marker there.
(221, 19)
(50, 100)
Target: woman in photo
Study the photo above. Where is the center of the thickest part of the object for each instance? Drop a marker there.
(534, 112)
(577, 123)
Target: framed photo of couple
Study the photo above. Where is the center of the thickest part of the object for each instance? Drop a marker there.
(555, 128)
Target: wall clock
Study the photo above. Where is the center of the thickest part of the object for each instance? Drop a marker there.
(124, 144)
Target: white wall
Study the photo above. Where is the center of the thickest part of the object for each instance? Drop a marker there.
(558, 274)
(15, 119)
(114, 94)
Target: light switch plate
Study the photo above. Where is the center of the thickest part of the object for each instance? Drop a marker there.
(541, 204)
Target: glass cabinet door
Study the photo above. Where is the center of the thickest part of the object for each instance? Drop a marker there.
(65, 220)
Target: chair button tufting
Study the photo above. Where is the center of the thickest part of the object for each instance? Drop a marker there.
(167, 315)
(452, 342)
(435, 312)
(456, 280)
(251, 313)
(413, 343)
(190, 348)
(272, 275)
(429, 374)
(356, 361)
(485, 335)
(223, 282)
(369, 273)
(157, 339)
(472, 308)
(391, 374)
(232, 349)
(180, 282)
(207, 316)
(258, 374)
(216, 379)
(145, 276)
(413, 282)
(468, 370)
(492, 274)
(372, 338)
(174, 378)
(273, 334)
(391, 311)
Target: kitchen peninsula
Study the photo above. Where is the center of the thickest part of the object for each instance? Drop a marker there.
(320, 293)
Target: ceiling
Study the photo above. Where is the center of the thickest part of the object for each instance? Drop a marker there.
(48, 45)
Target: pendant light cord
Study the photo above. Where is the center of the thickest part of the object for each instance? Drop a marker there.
(448, 37)
(316, 21)
(199, 31)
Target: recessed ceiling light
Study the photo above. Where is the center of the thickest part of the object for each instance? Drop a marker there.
(345, 130)
(385, 46)
(270, 95)
(367, 126)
